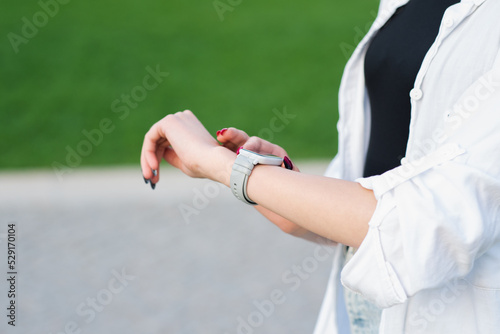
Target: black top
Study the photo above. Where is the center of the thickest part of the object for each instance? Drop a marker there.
(391, 65)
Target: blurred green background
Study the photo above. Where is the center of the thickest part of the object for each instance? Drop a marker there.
(235, 68)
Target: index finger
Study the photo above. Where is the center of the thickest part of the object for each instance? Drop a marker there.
(153, 139)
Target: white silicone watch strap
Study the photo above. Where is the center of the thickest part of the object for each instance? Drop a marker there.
(242, 168)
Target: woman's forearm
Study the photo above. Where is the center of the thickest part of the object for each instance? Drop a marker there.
(291, 228)
(286, 225)
(335, 209)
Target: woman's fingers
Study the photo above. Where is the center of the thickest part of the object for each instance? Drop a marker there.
(232, 138)
(149, 156)
(262, 146)
(156, 171)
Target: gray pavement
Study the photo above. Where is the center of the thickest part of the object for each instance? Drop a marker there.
(100, 252)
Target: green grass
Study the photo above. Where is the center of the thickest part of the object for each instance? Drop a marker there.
(265, 55)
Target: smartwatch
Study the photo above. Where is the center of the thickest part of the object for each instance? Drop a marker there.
(242, 168)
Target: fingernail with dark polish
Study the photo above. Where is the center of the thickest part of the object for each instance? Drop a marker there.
(238, 152)
(153, 185)
(221, 132)
(288, 163)
(218, 132)
(155, 172)
(146, 180)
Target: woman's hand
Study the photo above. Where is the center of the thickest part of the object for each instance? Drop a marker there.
(184, 143)
(233, 139)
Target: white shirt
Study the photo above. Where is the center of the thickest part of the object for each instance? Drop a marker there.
(431, 258)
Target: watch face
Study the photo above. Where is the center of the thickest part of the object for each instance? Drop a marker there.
(263, 159)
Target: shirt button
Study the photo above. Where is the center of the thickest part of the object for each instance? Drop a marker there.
(448, 22)
(416, 94)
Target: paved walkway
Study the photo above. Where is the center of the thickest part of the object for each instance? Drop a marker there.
(100, 252)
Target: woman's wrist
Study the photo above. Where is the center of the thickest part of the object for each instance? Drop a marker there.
(222, 163)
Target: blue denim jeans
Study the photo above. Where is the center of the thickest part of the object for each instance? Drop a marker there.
(364, 316)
